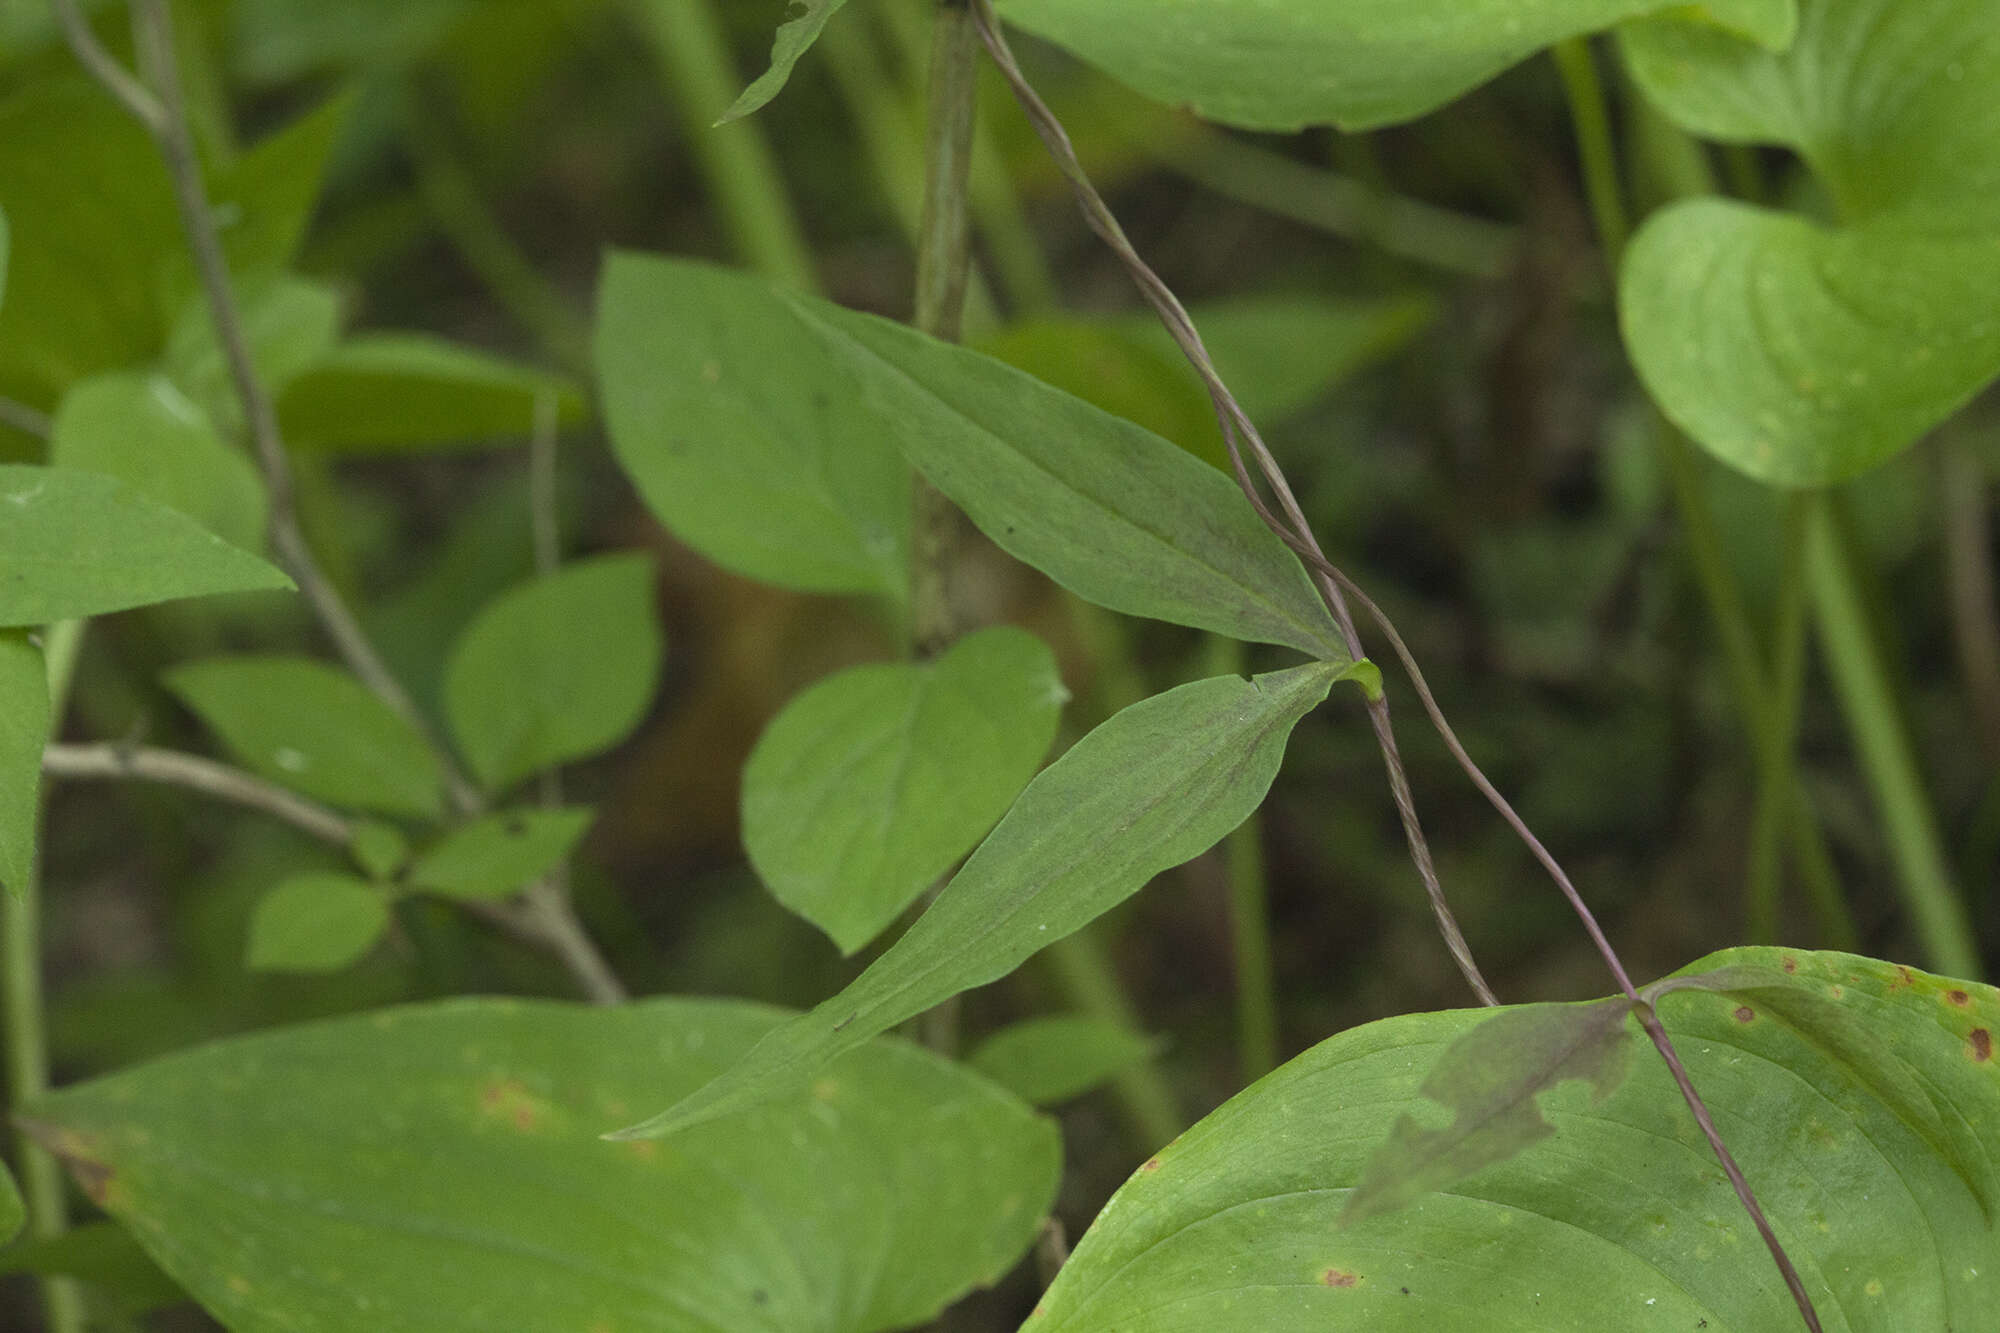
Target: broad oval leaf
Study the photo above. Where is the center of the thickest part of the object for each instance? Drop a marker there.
(402, 392)
(313, 727)
(1286, 64)
(1621, 1220)
(24, 733)
(1054, 1058)
(869, 785)
(558, 668)
(315, 923)
(1800, 353)
(78, 544)
(497, 854)
(141, 428)
(436, 1167)
(1154, 785)
(743, 433)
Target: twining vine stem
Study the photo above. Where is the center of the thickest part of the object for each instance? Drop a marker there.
(1239, 433)
(543, 915)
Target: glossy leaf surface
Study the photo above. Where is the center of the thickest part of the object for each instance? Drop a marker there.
(1285, 64)
(437, 1168)
(1622, 1219)
(1798, 351)
(75, 543)
(24, 731)
(493, 856)
(311, 726)
(870, 784)
(1156, 784)
(315, 923)
(555, 669)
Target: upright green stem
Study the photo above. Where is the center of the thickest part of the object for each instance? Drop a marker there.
(21, 987)
(1089, 982)
(1874, 717)
(736, 159)
(1774, 759)
(1591, 115)
(1249, 914)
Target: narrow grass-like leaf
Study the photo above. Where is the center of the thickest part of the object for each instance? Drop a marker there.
(558, 668)
(315, 923)
(493, 856)
(13, 1210)
(1052, 1059)
(1489, 1080)
(795, 37)
(436, 1168)
(311, 726)
(1156, 784)
(78, 544)
(1621, 1220)
(24, 732)
(869, 785)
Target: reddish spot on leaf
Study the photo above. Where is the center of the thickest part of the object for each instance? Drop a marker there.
(1981, 1042)
(1958, 997)
(1152, 1164)
(1338, 1277)
(1903, 978)
(1790, 965)
(1744, 1013)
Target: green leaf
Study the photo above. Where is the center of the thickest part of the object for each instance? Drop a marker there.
(795, 37)
(556, 669)
(79, 544)
(1156, 784)
(1285, 64)
(13, 1211)
(379, 850)
(1050, 1060)
(142, 429)
(1489, 1079)
(315, 923)
(24, 733)
(1805, 353)
(869, 785)
(493, 856)
(123, 1278)
(6, 243)
(290, 324)
(443, 1157)
(313, 727)
(265, 199)
(1622, 1220)
(401, 392)
(788, 478)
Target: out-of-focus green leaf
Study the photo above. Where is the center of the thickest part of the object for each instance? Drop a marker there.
(1621, 1220)
(6, 244)
(79, 544)
(444, 1158)
(380, 850)
(265, 199)
(24, 732)
(866, 788)
(795, 37)
(1050, 1060)
(1489, 1079)
(104, 1255)
(1800, 353)
(559, 668)
(290, 324)
(1285, 64)
(316, 923)
(139, 427)
(1156, 784)
(314, 728)
(280, 41)
(744, 434)
(495, 855)
(13, 1211)
(403, 392)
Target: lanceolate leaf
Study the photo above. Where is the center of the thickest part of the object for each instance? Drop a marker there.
(493, 856)
(24, 731)
(314, 728)
(1158, 783)
(436, 1168)
(869, 785)
(1489, 1080)
(1285, 64)
(1802, 353)
(79, 544)
(795, 38)
(1052, 1059)
(1621, 1220)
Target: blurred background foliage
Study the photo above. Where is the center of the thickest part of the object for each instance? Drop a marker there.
(1420, 317)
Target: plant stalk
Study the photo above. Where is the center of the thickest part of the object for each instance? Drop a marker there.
(1249, 913)
(1775, 763)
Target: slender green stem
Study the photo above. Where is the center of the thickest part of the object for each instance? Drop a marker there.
(22, 989)
(1774, 760)
(736, 159)
(1088, 982)
(1874, 717)
(1591, 115)
(1249, 913)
